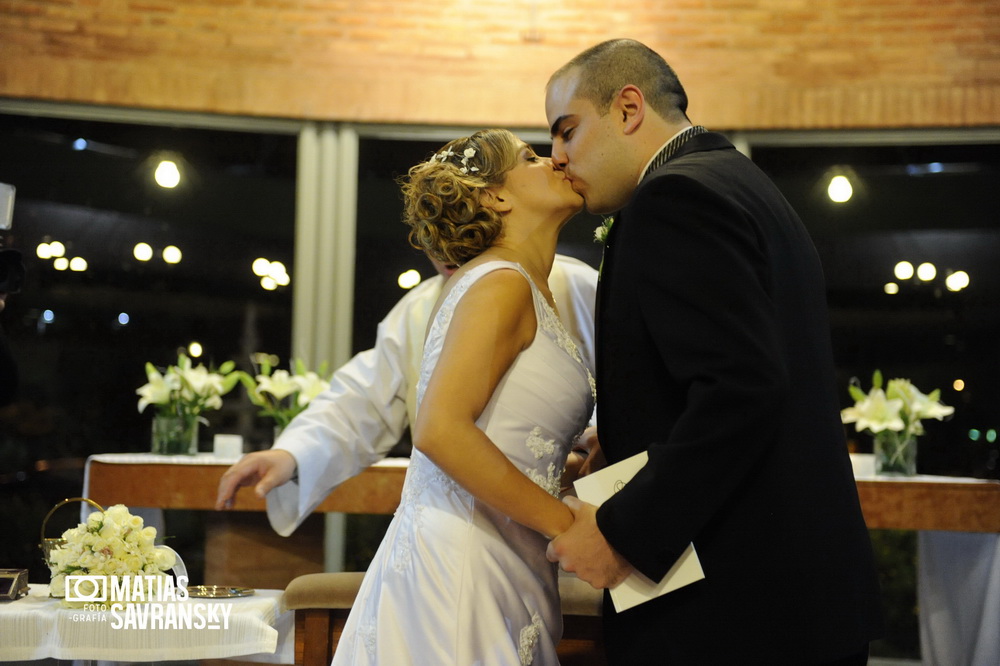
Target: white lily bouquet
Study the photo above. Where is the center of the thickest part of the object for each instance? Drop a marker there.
(110, 543)
(893, 416)
(283, 395)
(181, 394)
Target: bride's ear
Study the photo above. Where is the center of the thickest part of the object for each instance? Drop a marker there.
(495, 198)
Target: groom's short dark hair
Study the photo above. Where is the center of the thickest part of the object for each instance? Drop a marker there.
(606, 68)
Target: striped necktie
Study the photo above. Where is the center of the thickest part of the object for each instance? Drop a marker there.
(671, 148)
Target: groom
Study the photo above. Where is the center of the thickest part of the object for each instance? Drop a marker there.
(713, 354)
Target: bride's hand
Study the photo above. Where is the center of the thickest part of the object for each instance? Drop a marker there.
(595, 456)
(574, 463)
(585, 458)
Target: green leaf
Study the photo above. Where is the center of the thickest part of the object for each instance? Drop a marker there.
(300, 366)
(250, 384)
(229, 383)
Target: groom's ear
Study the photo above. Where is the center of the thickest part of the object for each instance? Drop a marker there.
(630, 105)
(495, 198)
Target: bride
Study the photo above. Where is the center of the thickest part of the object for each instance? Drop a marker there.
(461, 576)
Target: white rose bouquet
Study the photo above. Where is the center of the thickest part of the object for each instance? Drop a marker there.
(283, 395)
(110, 543)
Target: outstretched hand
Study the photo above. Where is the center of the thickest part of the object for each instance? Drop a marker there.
(583, 550)
(263, 470)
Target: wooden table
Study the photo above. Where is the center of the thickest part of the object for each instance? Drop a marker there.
(931, 503)
(195, 486)
(918, 503)
(191, 483)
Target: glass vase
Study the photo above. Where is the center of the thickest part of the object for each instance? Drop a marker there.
(895, 454)
(175, 435)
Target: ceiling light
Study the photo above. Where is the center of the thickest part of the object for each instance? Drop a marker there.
(408, 279)
(839, 190)
(957, 281)
(167, 174)
(926, 271)
(261, 266)
(172, 254)
(903, 270)
(142, 251)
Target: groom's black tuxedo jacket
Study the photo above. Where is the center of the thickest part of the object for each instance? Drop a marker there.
(713, 354)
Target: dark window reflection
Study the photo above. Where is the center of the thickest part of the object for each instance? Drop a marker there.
(81, 338)
(933, 204)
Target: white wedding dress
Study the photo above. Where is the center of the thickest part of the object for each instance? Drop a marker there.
(456, 582)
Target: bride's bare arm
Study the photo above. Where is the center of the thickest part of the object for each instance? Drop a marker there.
(492, 323)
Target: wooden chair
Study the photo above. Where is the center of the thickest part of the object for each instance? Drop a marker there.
(322, 601)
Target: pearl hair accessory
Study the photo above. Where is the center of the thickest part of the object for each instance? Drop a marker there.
(467, 155)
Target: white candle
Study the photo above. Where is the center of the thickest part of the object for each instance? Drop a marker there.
(227, 446)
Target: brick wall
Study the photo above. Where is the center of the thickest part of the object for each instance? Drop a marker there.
(747, 63)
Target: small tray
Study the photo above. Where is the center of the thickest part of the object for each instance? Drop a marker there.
(218, 591)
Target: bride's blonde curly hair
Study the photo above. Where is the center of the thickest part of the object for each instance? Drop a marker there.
(444, 206)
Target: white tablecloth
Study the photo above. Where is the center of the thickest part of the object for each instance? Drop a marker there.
(959, 596)
(37, 627)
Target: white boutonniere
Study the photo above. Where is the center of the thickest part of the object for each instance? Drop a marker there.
(601, 232)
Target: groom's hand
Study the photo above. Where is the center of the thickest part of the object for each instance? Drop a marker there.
(583, 550)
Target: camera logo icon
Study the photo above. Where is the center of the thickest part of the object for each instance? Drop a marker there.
(87, 589)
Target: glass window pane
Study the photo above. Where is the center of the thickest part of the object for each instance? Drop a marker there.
(163, 265)
(933, 204)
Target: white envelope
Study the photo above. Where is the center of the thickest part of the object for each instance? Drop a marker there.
(595, 489)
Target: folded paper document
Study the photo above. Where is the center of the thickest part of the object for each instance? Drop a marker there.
(634, 590)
